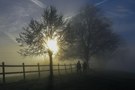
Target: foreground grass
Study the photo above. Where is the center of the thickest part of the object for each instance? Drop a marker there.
(77, 81)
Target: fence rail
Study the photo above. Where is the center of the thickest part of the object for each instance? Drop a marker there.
(3, 66)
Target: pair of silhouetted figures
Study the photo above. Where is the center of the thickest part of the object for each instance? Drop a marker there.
(83, 67)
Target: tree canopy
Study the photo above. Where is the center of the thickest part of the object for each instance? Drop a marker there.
(91, 33)
(33, 39)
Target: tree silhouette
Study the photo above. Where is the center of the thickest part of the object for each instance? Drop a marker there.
(91, 33)
(34, 39)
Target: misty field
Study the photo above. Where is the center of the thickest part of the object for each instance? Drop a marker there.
(19, 77)
(79, 81)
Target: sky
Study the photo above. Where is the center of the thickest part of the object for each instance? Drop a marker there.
(15, 14)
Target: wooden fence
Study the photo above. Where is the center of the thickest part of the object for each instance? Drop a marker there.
(3, 66)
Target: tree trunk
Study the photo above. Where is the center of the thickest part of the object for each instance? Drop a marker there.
(51, 70)
(86, 58)
(87, 61)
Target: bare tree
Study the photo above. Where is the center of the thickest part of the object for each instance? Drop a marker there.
(91, 33)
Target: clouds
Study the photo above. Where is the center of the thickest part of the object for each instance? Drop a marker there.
(39, 3)
(12, 21)
(122, 14)
(120, 11)
(100, 3)
(123, 22)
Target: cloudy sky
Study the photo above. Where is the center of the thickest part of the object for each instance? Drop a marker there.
(15, 14)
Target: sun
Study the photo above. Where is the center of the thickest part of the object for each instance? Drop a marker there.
(52, 45)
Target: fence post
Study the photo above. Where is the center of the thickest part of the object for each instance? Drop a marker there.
(71, 68)
(65, 68)
(3, 72)
(23, 71)
(58, 69)
(38, 70)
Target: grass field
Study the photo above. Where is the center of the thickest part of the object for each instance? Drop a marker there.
(19, 77)
(78, 81)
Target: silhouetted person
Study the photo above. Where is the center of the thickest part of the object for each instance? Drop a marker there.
(78, 66)
(85, 67)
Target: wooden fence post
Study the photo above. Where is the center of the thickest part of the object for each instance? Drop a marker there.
(3, 72)
(58, 69)
(65, 68)
(23, 71)
(38, 70)
(71, 68)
